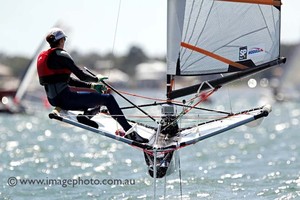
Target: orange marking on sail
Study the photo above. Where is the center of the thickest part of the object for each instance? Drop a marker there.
(212, 55)
(266, 2)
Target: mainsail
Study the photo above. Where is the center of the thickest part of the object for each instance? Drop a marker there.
(221, 36)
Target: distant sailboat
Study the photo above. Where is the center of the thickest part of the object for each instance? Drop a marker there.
(287, 86)
(12, 101)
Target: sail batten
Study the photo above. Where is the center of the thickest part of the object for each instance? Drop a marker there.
(214, 36)
(211, 54)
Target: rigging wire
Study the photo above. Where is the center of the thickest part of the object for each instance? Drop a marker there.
(116, 28)
(116, 91)
(115, 35)
(185, 111)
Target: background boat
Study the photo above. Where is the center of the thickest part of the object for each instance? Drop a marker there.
(286, 85)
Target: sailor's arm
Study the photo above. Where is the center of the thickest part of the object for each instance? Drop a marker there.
(78, 83)
(68, 62)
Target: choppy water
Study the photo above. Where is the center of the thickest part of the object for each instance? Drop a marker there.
(245, 163)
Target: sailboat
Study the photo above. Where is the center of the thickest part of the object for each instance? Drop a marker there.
(229, 39)
(13, 101)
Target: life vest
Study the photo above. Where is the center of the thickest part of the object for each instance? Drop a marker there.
(48, 75)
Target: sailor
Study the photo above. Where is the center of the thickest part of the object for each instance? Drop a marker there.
(55, 67)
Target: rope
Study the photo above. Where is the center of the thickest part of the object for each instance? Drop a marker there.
(204, 98)
(116, 28)
(115, 33)
(145, 97)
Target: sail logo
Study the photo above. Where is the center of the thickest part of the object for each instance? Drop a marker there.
(243, 53)
(255, 50)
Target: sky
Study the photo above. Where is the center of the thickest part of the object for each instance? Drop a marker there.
(91, 25)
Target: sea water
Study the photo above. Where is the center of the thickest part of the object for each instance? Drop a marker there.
(44, 159)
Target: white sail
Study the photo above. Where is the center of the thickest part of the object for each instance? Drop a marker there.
(27, 78)
(30, 73)
(219, 36)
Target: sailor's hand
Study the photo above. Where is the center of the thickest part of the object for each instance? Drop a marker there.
(101, 77)
(99, 87)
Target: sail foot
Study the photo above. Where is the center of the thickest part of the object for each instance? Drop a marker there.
(224, 80)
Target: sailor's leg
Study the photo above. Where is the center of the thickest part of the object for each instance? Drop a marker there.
(115, 111)
(83, 101)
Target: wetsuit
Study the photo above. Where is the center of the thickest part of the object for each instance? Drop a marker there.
(54, 69)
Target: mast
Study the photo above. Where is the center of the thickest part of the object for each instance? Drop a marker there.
(175, 21)
(169, 86)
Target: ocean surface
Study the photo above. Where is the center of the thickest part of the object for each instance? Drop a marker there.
(44, 159)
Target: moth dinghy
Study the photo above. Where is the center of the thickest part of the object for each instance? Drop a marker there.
(200, 42)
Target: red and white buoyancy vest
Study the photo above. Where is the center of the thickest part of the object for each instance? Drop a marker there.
(48, 75)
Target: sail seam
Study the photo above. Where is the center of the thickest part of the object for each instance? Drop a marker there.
(200, 34)
(194, 26)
